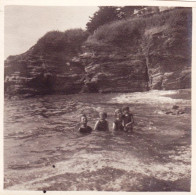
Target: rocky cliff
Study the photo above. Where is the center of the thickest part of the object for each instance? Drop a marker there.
(125, 56)
(111, 69)
(168, 58)
(48, 67)
(34, 75)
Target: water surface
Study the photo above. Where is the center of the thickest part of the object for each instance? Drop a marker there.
(44, 151)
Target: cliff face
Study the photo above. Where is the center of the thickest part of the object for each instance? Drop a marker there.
(124, 60)
(31, 74)
(113, 69)
(168, 58)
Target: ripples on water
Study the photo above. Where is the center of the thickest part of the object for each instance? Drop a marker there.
(41, 131)
(39, 128)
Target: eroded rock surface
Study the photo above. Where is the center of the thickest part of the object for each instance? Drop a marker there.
(110, 69)
(168, 54)
(30, 74)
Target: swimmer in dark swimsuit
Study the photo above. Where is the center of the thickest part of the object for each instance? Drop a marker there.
(127, 119)
(102, 123)
(83, 125)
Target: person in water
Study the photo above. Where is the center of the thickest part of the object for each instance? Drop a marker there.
(102, 123)
(127, 119)
(117, 124)
(83, 125)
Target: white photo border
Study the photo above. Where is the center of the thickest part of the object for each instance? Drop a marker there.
(3, 3)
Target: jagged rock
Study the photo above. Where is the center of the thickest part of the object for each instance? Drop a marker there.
(175, 110)
(175, 107)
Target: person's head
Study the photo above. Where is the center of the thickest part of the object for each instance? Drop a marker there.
(83, 119)
(125, 110)
(102, 115)
(118, 113)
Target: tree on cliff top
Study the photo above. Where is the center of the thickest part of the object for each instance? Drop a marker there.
(107, 14)
(104, 15)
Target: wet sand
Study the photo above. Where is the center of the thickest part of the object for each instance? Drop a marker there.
(43, 150)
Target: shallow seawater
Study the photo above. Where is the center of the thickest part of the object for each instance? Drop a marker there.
(44, 151)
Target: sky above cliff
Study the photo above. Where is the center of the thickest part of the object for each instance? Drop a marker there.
(24, 25)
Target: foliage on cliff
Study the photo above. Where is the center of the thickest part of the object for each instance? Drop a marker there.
(56, 41)
(108, 14)
(119, 32)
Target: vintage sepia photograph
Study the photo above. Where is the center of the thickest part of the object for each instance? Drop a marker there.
(97, 98)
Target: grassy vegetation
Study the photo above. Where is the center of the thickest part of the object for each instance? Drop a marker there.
(122, 32)
(130, 30)
(127, 31)
(56, 41)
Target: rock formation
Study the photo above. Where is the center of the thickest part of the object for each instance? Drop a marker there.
(34, 75)
(110, 69)
(156, 57)
(168, 57)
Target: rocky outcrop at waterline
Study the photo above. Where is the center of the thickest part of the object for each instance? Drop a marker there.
(33, 75)
(124, 56)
